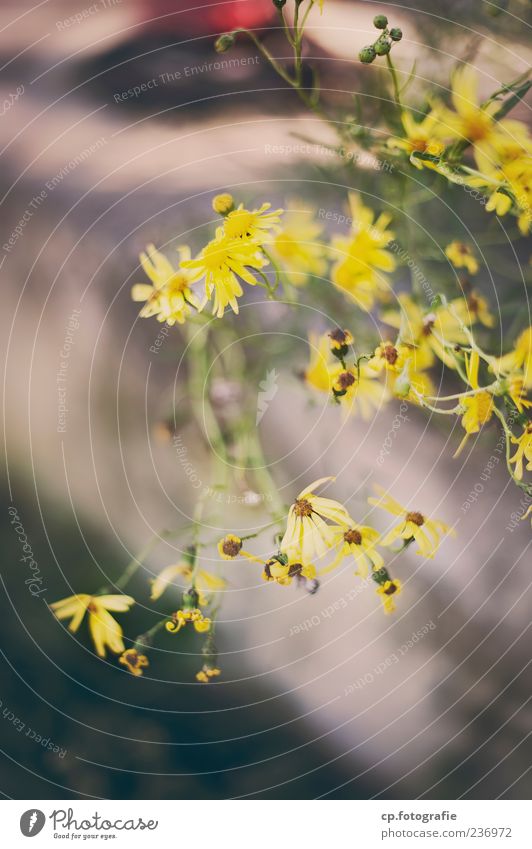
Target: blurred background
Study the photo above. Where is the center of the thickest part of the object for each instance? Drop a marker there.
(117, 127)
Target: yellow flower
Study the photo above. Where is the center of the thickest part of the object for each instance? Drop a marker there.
(478, 408)
(222, 204)
(134, 661)
(204, 581)
(421, 137)
(104, 629)
(254, 225)
(307, 532)
(317, 374)
(283, 572)
(358, 389)
(472, 308)
(231, 546)
(170, 296)
(475, 122)
(207, 672)
(222, 262)
(387, 591)
(519, 359)
(190, 614)
(341, 341)
(524, 451)
(426, 332)
(297, 246)
(413, 525)
(517, 391)
(357, 541)
(362, 256)
(462, 256)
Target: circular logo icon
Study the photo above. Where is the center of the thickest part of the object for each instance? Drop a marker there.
(32, 822)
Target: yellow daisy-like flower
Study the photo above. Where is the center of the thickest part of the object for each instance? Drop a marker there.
(283, 573)
(340, 341)
(180, 618)
(478, 408)
(362, 256)
(307, 533)
(255, 225)
(462, 256)
(104, 629)
(359, 390)
(474, 121)
(204, 581)
(297, 246)
(524, 451)
(472, 308)
(358, 542)
(170, 297)
(426, 332)
(207, 672)
(222, 263)
(387, 591)
(399, 362)
(413, 525)
(134, 662)
(422, 137)
(519, 359)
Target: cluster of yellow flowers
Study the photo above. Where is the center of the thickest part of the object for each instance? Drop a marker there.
(237, 250)
(319, 527)
(501, 147)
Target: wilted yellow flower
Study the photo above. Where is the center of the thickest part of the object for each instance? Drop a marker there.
(387, 591)
(255, 225)
(524, 451)
(307, 532)
(413, 525)
(423, 137)
(189, 614)
(462, 256)
(204, 581)
(297, 246)
(362, 256)
(170, 297)
(207, 672)
(358, 542)
(231, 546)
(104, 629)
(222, 262)
(134, 661)
(282, 570)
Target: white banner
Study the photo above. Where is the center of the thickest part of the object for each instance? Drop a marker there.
(267, 824)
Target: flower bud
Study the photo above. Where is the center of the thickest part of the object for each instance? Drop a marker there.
(380, 21)
(367, 54)
(403, 383)
(224, 42)
(396, 34)
(382, 46)
(223, 204)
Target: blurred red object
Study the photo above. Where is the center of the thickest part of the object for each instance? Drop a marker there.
(199, 17)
